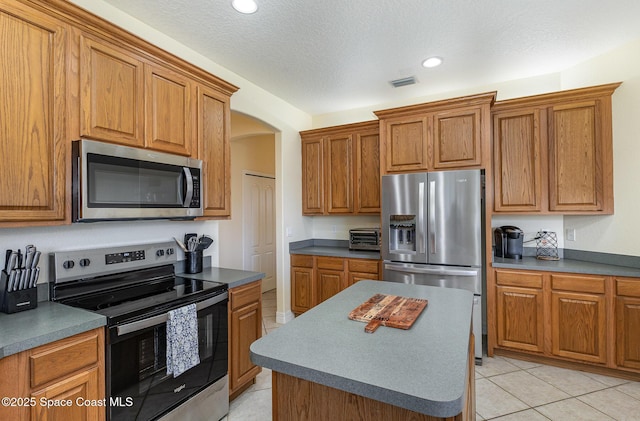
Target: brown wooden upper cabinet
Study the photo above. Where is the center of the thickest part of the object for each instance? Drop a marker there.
(553, 152)
(341, 170)
(214, 121)
(33, 144)
(170, 110)
(453, 133)
(112, 93)
(127, 100)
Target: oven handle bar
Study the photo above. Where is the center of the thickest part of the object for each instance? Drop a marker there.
(162, 318)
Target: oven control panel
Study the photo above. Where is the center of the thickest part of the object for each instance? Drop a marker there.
(82, 264)
(123, 256)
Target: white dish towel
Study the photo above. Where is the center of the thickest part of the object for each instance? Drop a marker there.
(182, 340)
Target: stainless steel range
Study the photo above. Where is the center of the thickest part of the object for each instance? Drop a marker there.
(136, 288)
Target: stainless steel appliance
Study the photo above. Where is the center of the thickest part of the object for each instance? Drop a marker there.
(112, 182)
(432, 233)
(135, 287)
(364, 239)
(507, 242)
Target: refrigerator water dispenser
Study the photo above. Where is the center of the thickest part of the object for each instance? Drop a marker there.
(402, 233)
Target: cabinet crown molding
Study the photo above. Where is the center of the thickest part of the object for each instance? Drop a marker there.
(554, 97)
(442, 105)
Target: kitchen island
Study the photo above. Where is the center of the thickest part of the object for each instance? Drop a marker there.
(326, 367)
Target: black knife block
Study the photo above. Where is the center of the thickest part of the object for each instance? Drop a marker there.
(15, 301)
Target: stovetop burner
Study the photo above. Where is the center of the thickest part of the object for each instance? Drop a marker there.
(126, 296)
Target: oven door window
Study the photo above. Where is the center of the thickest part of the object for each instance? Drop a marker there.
(139, 385)
(122, 182)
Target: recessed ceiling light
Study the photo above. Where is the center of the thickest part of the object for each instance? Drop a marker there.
(245, 6)
(432, 62)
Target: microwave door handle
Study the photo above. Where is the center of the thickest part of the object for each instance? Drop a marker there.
(188, 194)
(162, 318)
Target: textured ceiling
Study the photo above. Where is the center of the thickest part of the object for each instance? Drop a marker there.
(328, 55)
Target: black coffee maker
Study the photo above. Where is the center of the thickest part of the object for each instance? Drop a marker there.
(508, 242)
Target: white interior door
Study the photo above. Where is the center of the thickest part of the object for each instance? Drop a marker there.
(259, 227)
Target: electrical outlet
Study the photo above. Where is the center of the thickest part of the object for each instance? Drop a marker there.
(289, 231)
(570, 233)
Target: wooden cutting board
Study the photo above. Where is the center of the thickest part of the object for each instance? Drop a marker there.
(388, 310)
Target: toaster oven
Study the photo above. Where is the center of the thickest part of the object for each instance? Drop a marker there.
(364, 239)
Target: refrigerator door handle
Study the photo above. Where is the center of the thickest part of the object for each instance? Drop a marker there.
(432, 216)
(420, 229)
(427, 270)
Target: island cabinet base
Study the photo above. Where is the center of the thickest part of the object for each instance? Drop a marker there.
(302, 400)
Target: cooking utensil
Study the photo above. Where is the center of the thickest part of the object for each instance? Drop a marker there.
(181, 244)
(192, 244)
(29, 253)
(204, 242)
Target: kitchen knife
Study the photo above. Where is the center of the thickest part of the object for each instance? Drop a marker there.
(23, 279)
(28, 256)
(12, 281)
(13, 261)
(36, 259)
(34, 277)
(6, 260)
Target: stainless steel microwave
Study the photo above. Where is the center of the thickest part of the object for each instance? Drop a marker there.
(113, 182)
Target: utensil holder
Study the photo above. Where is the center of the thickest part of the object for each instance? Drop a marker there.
(15, 301)
(193, 262)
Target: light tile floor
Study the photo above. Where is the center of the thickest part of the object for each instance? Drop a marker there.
(506, 390)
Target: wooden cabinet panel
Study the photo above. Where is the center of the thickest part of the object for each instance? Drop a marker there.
(331, 263)
(33, 142)
(367, 174)
(245, 307)
(578, 326)
(627, 323)
(627, 328)
(520, 318)
(78, 388)
(57, 371)
(170, 111)
(214, 150)
(553, 153)
(341, 170)
(312, 176)
(317, 278)
(302, 289)
(407, 145)
(330, 282)
(519, 278)
(575, 169)
(517, 160)
(64, 357)
(447, 134)
(457, 138)
(339, 173)
(112, 93)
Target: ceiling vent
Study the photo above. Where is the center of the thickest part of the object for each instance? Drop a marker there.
(411, 80)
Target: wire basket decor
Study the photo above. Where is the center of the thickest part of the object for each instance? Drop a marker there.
(547, 245)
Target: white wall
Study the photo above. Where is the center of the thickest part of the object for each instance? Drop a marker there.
(252, 153)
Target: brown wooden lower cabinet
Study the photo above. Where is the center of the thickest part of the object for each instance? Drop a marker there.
(317, 278)
(69, 370)
(245, 327)
(628, 323)
(575, 318)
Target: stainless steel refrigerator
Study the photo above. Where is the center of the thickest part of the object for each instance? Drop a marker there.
(432, 233)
